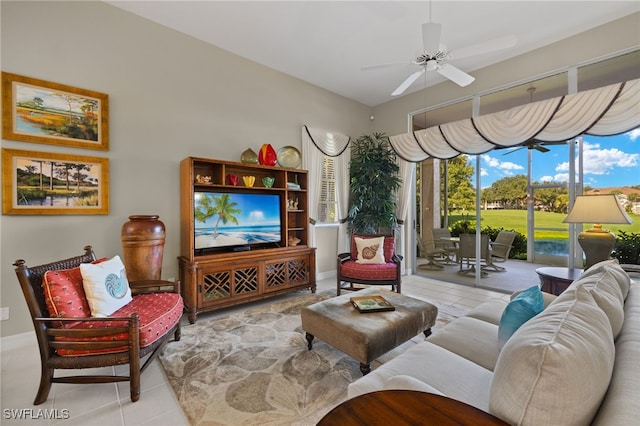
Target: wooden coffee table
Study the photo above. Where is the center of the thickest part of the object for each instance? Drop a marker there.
(405, 407)
(555, 280)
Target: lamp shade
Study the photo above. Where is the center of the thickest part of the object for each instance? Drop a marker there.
(597, 209)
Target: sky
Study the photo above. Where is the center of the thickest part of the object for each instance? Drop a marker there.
(608, 162)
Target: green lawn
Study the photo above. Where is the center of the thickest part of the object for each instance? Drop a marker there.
(517, 220)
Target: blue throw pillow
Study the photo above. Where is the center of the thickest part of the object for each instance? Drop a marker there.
(521, 309)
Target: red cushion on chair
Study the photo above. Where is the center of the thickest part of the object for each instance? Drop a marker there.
(352, 269)
(64, 294)
(158, 313)
(389, 246)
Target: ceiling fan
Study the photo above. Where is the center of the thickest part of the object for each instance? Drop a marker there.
(435, 58)
(531, 144)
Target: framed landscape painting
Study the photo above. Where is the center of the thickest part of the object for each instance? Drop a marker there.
(41, 183)
(43, 112)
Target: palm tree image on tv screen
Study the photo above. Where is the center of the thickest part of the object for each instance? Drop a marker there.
(236, 219)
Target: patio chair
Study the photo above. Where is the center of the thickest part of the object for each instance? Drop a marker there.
(442, 240)
(467, 254)
(501, 247)
(436, 257)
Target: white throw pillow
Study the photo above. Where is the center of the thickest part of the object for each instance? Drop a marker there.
(370, 250)
(106, 286)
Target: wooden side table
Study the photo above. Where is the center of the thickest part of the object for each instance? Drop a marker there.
(555, 280)
(405, 407)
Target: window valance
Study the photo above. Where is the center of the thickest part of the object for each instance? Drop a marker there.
(604, 111)
(329, 143)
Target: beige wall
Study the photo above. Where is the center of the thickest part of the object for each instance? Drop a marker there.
(171, 96)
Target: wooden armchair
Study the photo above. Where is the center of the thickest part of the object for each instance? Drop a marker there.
(385, 272)
(77, 343)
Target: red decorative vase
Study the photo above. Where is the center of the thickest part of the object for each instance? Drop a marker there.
(142, 247)
(267, 155)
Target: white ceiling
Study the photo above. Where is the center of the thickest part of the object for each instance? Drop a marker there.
(327, 42)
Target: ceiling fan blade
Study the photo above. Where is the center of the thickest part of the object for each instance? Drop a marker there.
(485, 47)
(513, 150)
(381, 66)
(431, 37)
(459, 77)
(408, 82)
(541, 148)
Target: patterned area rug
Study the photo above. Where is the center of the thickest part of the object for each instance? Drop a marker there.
(253, 367)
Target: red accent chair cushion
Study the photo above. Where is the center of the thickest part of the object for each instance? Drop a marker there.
(158, 312)
(385, 271)
(64, 294)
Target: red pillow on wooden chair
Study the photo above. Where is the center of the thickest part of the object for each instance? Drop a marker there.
(64, 293)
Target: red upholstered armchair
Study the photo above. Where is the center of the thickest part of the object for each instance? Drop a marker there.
(70, 336)
(369, 263)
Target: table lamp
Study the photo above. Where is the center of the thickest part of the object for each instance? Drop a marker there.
(597, 243)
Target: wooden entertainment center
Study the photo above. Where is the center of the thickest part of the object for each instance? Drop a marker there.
(217, 279)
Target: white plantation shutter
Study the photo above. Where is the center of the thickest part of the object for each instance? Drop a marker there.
(328, 204)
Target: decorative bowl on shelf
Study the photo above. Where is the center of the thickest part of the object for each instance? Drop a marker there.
(268, 181)
(232, 179)
(289, 156)
(248, 180)
(293, 241)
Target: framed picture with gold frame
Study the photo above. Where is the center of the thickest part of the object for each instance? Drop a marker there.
(50, 113)
(42, 183)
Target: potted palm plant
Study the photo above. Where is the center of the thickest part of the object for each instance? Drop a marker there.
(374, 185)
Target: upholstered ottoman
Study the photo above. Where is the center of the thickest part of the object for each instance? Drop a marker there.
(367, 336)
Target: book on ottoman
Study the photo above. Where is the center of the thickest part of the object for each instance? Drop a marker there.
(372, 303)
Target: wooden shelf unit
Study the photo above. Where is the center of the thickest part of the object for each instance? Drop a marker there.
(220, 279)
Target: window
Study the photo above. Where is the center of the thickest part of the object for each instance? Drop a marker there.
(328, 206)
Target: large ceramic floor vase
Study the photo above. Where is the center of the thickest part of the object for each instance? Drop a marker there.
(142, 247)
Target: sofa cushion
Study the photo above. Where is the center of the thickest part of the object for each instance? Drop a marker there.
(556, 368)
(470, 338)
(621, 405)
(370, 250)
(613, 268)
(521, 309)
(605, 288)
(489, 311)
(450, 374)
(106, 287)
(404, 382)
(157, 312)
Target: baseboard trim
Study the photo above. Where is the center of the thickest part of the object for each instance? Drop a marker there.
(17, 341)
(325, 275)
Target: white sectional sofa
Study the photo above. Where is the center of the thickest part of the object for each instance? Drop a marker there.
(575, 363)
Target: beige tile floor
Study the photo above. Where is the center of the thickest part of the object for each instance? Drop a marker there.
(109, 404)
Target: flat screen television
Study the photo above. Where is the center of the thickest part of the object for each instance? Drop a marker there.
(236, 220)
